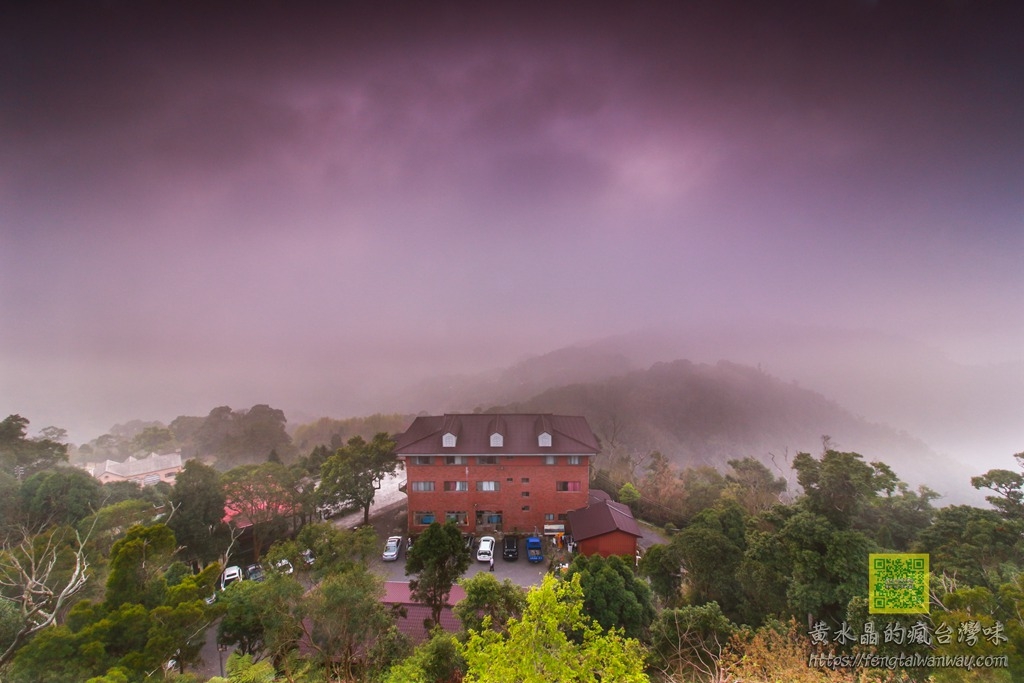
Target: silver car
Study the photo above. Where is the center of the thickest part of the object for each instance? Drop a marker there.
(391, 548)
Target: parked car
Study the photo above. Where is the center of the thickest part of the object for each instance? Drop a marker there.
(391, 548)
(534, 549)
(254, 572)
(230, 575)
(510, 548)
(284, 566)
(485, 551)
(307, 557)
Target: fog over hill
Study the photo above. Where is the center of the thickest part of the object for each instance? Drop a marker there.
(893, 399)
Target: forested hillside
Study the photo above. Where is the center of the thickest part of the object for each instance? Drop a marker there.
(697, 414)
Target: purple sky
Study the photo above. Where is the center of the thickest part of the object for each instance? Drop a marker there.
(300, 207)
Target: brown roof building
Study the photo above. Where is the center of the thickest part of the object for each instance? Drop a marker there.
(605, 528)
(496, 472)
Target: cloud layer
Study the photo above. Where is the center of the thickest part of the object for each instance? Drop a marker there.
(301, 205)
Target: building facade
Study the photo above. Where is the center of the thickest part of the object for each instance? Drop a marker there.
(509, 473)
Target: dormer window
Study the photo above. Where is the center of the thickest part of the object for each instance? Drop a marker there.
(448, 440)
(497, 440)
(544, 440)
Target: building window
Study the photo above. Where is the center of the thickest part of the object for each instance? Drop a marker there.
(488, 517)
(421, 460)
(488, 486)
(549, 516)
(497, 440)
(455, 460)
(525, 480)
(460, 517)
(448, 440)
(486, 460)
(526, 508)
(423, 517)
(549, 460)
(525, 494)
(544, 440)
(574, 460)
(456, 486)
(568, 486)
(422, 486)
(562, 517)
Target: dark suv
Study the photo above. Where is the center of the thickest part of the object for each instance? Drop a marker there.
(510, 548)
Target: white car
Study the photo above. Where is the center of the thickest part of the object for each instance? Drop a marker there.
(284, 566)
(391, 548)
(485, 551)
(230, 575)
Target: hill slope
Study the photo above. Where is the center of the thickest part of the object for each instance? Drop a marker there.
(699, 414)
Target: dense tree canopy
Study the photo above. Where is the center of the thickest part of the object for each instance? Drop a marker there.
(486, 597)
(613, 595)
(198, 502)
(554, 640)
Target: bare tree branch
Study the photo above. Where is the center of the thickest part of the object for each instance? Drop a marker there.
(26, 570)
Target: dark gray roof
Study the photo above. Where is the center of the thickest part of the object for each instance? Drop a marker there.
(570, 434)
(601, 518)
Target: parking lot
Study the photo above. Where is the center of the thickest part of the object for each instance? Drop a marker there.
(392, 520)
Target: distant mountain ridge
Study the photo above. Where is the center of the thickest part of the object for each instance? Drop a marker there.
(699, 414)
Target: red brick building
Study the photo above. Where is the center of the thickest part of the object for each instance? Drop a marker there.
(496, 473)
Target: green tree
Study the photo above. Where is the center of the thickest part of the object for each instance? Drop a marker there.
(137, 562)
(969, 545)
(840, 485)
(712, 548)
(262, 495)
(753, 486)
(110, 522)
(198, 502)
(613, 595)
(65, 495)
(662, 564)
(438, 558)
(439, 660)
(1008, 488)
(11, 516)
(335, 549)
(701, 488)
(261, 616)
(24, 457)
(554, 641)
(353, 475)
(155, 439)
(629, 495)
(487, 597)
(343, 617)
(827, 566)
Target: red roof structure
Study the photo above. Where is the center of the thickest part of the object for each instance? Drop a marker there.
(398, 593)
(605, 528)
